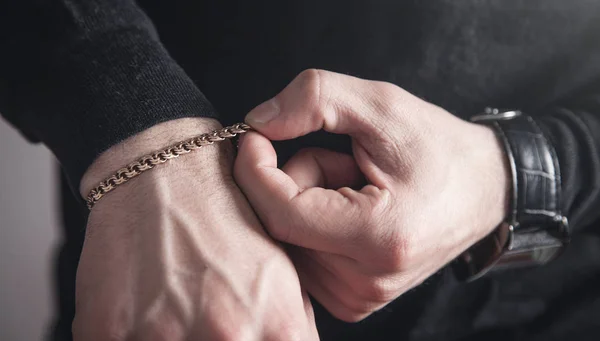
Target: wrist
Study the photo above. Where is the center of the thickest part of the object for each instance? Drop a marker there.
(495, 179)
(205, 160)
(534, 231)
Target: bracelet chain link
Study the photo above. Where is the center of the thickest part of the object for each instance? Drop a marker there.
(152, 160)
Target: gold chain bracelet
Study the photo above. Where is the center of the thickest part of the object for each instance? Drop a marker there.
(152, 160)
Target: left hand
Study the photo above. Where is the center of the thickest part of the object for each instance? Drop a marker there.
(436, 185)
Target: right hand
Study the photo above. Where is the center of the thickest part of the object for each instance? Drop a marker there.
(178, 254)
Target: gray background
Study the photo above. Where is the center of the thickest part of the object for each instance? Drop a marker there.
(29, 231)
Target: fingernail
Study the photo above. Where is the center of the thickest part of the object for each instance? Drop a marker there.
(263, 113)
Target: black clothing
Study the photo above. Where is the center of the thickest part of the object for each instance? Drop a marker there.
(80, 76)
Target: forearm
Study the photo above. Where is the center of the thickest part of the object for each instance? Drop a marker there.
(181, 242)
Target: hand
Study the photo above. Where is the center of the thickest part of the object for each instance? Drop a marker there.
(435, 186)
(178, 254)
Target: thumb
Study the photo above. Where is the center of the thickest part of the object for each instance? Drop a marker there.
(312, 217)
(316, 100)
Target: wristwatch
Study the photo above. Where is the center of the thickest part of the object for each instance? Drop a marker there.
(534, 231)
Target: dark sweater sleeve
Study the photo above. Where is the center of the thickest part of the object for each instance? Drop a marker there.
(82, 75)
(573, 127)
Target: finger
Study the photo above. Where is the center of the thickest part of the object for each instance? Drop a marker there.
(317, 167)
(318, 99)
(310, 315)
(332, 292)
(368, 286)
(290, 319)
(290, 325)
(306, 329)
(315, 218)
(324, 295)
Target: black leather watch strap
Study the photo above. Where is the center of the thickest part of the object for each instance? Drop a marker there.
(538, 182)
(534, 231)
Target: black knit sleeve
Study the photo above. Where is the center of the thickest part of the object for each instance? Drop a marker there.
(82, 75)
(573, 127)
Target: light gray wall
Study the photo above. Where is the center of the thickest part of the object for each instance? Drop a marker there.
(28, 232)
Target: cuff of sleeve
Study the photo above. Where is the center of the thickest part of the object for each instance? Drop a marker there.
(95, 96)
(571, 134)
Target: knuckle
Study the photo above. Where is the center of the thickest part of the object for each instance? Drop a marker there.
(380, 205)
(312, 85)
(378, 215)
(387, 89)
(390, 231)
(397, 254)
(379, 290)
(310, 78)
(387, 99)
(349, 315)
(352, 309)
